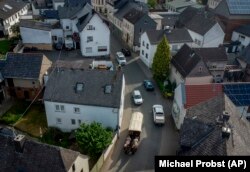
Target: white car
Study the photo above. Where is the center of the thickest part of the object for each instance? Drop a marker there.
(121, 58)
(158, 114)
(137, 98)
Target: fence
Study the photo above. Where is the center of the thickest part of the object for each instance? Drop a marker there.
(97, 167)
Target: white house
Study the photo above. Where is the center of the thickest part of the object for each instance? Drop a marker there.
(75, 96)
(11, 11)
(94, 35)
(36, 34)
(151, 38)
(242, 34)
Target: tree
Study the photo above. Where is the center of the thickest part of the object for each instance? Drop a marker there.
(15, 29)
(152, 3)
(93, 138)
(161, 61)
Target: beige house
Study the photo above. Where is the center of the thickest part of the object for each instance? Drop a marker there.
(198, 65)
(23, 74)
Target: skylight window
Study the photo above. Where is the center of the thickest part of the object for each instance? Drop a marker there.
(79, 87)
(108, 89)
(7, 6)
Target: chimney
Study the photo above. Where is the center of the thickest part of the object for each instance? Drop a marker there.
(226, 131)
(19, 141)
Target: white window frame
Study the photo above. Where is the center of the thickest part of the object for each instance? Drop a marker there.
(59, 120)
(59, 108)
(73, 122)
(75, 110)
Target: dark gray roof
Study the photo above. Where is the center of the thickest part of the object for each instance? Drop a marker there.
(35, 25)
(84, 20)
(185, 60)
(23, 65)
(134, 15)
(200, 135)
(117, 4)
(70, 12)
(213, 54)
(173, 36)
(200, 24)
(61, 87)
(245, 29)
(127, 7)
(35, 157)
(169, 19)
(75, 3)
(50, 14)
(10, 7)
(186, 16)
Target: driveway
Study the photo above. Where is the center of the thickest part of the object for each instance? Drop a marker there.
(154, 140)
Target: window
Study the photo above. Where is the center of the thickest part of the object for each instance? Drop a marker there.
(142, 52)
(59, 108)
(76, 110)
(73, 121)
(88, 49)
(143, 44)
(89, 38)
(242, 37)
(54, 38)
(67, 27)
(198, 42)
(58, 120)
(90, 27)
(79, 121)
(73, 167)
(174, 47)
(102, 48)
(146, 55)
(147, 46)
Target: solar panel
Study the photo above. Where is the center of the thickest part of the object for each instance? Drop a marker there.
(239, 94)
(239, 6)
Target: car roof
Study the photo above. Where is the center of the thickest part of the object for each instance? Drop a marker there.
(120, 54)
(158, 108)
(137, 92)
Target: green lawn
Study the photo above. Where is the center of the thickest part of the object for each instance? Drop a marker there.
(12, 115)
(4, 46)
(34, 121)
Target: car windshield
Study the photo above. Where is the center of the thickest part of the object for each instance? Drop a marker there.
(159, 113)
(121, 58)
(137, 97)
(149, 84)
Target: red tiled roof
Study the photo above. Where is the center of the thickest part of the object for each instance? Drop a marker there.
(196, 94)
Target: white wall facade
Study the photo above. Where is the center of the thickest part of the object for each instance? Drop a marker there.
(175, 76)
(66, 24)
(35, 36)
(57, 4)
(100, 35)
(179, 101)
(108, 117)
(58, 33)
(214, 37)
(81, 163)
(245, 40)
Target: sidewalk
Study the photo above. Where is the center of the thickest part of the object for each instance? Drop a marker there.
(144, 68)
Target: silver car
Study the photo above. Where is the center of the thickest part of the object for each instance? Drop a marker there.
(158, 114)
(137, 98)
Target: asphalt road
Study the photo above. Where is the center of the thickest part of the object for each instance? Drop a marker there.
(155, 140)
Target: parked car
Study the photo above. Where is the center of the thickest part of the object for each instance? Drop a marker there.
(137, 98)
(158, 114)
(126, 52)
(148, 85)
(121, 58)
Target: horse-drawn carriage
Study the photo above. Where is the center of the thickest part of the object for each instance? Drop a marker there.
(134, 131)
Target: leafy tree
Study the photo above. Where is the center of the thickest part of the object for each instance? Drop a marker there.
(152, 3)
(161, 61)
(15, 29)
(93, 138)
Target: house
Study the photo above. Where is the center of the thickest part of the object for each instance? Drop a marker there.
(217, 126)
(169, 20)
(92, 40)
(22, 154)
(232, 15)
(23, 74)
(151, 38)
(203, 27)
(39, 6)
(83, 26)
(116, 9)
(187, 96)
(181, 5)
(158, 19)
(213, 3)
(99, 6)
(74, 96)
(198, 65)
(242, 34)
(10, 13)
(50, 16)
(135, 22)
(36, 34)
